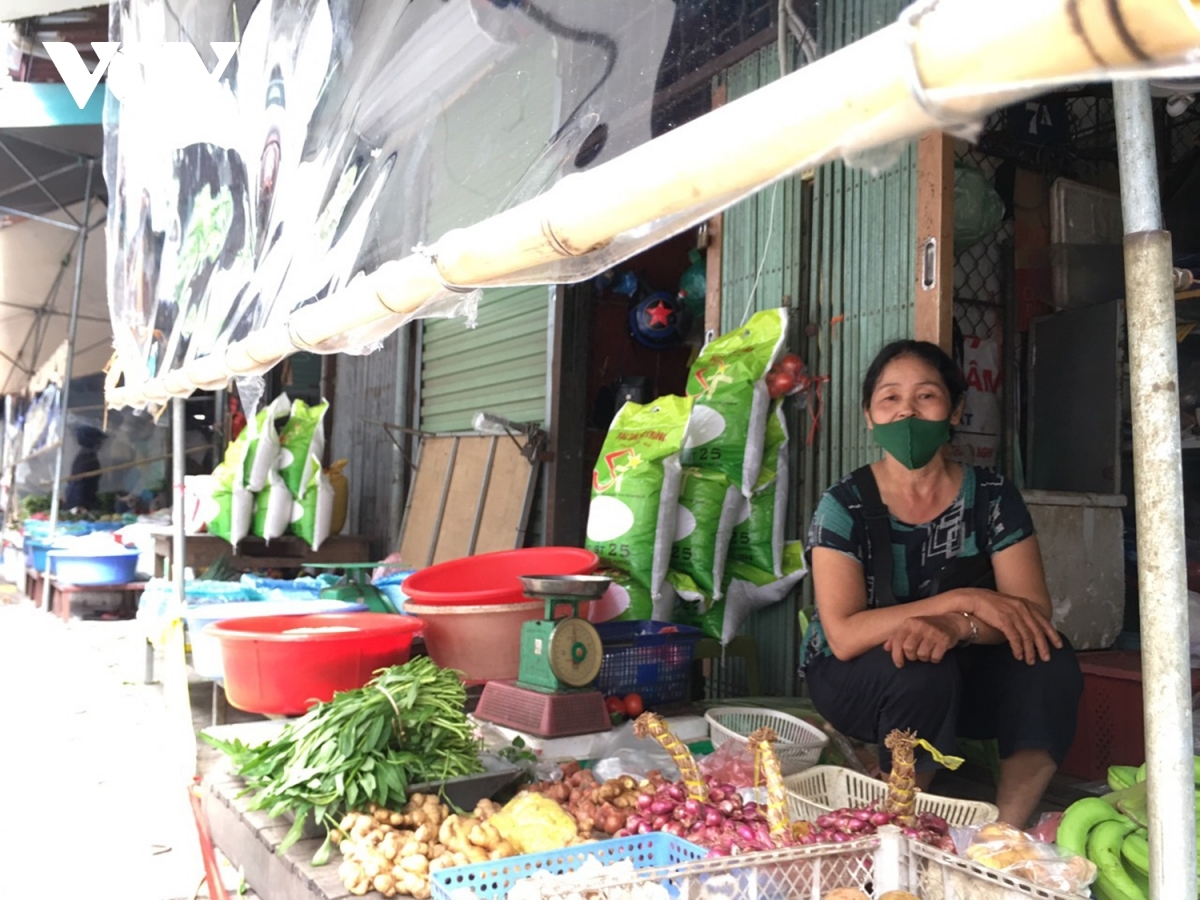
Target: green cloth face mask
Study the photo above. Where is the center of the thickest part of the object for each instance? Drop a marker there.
(912, 441)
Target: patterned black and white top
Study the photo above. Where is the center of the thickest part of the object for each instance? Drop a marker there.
(920, 552)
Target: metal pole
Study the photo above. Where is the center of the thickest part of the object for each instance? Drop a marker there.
(178, 471)
(1158, 489)
(72, 328)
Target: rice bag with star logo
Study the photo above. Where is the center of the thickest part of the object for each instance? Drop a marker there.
(635, 489)
(728, 384)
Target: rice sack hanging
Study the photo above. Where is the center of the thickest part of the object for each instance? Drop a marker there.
(635, 487)
(708, 506)
(728, 383)
(757, 537)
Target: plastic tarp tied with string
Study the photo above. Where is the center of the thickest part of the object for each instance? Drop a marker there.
(361, 163)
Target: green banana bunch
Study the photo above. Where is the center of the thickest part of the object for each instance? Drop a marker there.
(1096, 828)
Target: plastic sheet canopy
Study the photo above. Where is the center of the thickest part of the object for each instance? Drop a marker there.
(342, 135)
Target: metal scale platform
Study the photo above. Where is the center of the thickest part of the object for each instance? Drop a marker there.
(560, 658)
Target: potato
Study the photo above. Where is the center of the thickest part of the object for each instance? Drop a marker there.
(899, 895)
(846, 894)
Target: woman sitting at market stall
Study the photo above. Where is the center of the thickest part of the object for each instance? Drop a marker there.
(947, 631)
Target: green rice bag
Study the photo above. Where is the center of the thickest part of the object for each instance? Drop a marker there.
(302, 442)
(262, 451)
(234, 504)
(312, 512)
(728, 383)
(708, 507)
(758, 533)
(272, 508)
(746, 589)
(635, 486)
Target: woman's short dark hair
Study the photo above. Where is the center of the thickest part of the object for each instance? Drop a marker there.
(932, 354)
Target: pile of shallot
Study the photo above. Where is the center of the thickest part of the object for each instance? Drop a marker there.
(847, 824)
(725, 824)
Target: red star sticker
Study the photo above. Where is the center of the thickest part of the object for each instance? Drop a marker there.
(660, 315)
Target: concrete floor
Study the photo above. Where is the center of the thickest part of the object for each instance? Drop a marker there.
(95, 763)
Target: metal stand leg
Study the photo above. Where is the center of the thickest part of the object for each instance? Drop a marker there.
(218, 703)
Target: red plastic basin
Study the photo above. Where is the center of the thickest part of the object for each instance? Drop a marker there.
(494, 577)
(280, 665)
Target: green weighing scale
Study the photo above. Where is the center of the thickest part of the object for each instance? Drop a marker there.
(356, 586)
(560, 658)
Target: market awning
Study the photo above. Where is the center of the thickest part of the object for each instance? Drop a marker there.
(405, 149)
(46, 142)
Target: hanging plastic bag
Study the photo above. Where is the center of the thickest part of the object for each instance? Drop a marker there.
(751, 589)
(232, 503)
(978, 209)
(341, 495)
(728, 382)
(708, 506)
(312, 513)
(635, 488)
(302, 444)
(757, 537)
(272, 508)
(747, 589)
(262, 451)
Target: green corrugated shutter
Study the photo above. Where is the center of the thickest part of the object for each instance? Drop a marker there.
(857, 288)
(499, 365)
(761, 269)
(862, 287)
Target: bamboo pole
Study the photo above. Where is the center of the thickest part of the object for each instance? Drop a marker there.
(944, 64)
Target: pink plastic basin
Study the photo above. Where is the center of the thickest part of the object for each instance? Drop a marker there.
(494, 577)
(482, 642)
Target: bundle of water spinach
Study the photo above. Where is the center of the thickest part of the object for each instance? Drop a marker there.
(406, 726)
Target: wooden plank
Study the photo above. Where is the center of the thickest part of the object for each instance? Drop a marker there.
(251, 841)
(567, 466)
(470, 465)
(505, 500)
(934, 312)
(426, 498)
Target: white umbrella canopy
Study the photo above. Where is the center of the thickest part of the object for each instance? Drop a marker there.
(37, 272)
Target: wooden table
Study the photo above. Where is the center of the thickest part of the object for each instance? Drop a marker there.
(288, 552)
(250, 840)
(62, 594)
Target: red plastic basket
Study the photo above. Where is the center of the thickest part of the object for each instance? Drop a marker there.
(274, 665)
(494, 577)
(1109, 730)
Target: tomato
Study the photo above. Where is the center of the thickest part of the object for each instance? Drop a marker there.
(634, 706)
(779, 384)
(792, 365)
(615, 706)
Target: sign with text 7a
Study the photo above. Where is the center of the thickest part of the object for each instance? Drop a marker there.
(173, 64)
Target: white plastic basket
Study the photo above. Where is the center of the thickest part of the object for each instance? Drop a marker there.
(825, 788)
(885, 862)
(799, 744)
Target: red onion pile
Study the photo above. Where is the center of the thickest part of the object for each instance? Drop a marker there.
(724, 824)
(847, 824)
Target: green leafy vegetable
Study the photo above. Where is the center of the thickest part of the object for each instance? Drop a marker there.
(406, 726)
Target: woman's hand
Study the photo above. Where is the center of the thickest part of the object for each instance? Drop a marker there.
(1026, 628)
(925, 638)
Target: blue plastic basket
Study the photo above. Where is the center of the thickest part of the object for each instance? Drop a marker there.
(647, 658)
(493, 880)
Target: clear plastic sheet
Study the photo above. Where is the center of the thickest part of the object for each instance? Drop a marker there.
(345, 133)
